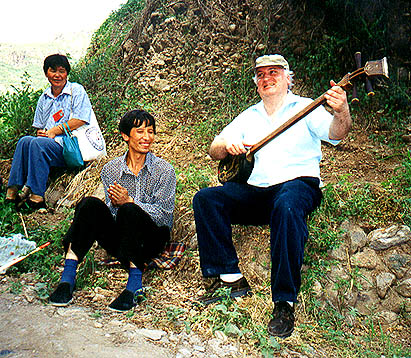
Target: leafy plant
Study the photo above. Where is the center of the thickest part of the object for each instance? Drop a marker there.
(16, 115)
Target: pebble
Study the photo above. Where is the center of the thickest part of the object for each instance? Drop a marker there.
(153, 334)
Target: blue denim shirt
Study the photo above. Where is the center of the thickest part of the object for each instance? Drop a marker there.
(73, 99)
(294, 153)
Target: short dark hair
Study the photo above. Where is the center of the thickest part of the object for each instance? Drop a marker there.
(54, 61)
(136, 118)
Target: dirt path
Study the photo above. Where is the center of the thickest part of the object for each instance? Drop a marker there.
(36, 330)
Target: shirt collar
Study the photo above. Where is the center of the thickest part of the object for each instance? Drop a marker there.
(66, 90)
(148, 163)
(290, 99)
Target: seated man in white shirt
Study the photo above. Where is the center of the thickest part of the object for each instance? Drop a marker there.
(282, 191)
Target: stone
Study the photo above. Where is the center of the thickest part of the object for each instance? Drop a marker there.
(388, 317)
(183, 352)
(382, 239)
(366, 302)
(339, 253)
(161, 84)
(383, 282)
(317, 289)
(338, 273)
(357, 238)
(199, 348)
(404, 288)
(398, 264)
(98, 297)
(367, 259)
(157, 61)
(232, 28)
(364, 279)
(153, 334)
(392, 302)
(220, 335)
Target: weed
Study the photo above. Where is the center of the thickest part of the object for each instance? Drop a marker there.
(16, 287)
(16, 115)
(97, 314)
(86, 268)
(129, 314)
(42, 290)
(177, 317)
(190, 180)
(101, 281)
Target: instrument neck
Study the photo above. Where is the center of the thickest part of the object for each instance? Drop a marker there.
(305, 111)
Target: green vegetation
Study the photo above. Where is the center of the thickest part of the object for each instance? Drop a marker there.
(16, 115)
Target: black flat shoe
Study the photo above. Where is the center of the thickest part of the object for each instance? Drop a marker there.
(127, 300)
(62, 295)
(216, 293)
(282, 323)
(14, 201)
(29, 204)
(35, 205)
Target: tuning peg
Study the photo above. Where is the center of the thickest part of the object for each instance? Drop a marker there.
(368, 87)
(357, 57)
(354, 94)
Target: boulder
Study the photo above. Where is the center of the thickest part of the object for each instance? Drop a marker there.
(383, 282)
(395, 235)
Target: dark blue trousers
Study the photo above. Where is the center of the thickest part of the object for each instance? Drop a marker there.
(284, 207)
(32, 160)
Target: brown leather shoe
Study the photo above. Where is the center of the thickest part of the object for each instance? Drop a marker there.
(282, 323)
(215, 292)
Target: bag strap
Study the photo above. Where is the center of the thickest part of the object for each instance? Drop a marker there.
(71, 102)
(68, 130)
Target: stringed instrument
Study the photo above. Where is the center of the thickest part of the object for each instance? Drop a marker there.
(238, 168)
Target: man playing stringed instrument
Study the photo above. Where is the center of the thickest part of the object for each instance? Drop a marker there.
(282, 190)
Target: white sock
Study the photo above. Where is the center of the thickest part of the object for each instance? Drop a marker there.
(231, 277)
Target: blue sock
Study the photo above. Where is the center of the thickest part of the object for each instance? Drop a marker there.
(135, 279)
(69, 272)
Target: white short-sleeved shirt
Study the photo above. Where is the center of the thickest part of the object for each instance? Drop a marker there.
(294, 153)
(73, 99)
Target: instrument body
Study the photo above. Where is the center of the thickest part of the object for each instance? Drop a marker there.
(235, 168)
(238, 168)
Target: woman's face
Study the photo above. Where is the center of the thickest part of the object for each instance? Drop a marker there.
(57, 77)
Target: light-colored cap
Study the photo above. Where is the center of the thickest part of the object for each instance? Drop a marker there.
(272, 60)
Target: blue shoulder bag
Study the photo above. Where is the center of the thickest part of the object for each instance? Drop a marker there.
(71, 150)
